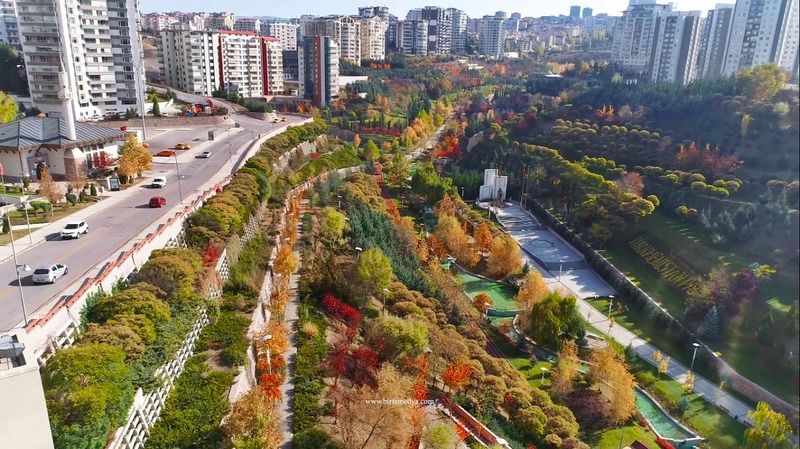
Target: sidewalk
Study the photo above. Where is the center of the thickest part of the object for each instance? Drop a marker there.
(702, 387)
(40, 232)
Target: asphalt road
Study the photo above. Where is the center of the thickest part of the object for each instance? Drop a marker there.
(112, 227)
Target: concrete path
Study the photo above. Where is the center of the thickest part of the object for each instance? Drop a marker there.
(290, 357)
(575, 281)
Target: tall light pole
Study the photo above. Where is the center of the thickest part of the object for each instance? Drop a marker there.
(178, 170)
(27, 220)
(544, 370)
(17, 266)
(694, 354)
(610, 304)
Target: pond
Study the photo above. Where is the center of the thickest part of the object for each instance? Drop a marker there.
(664, 425)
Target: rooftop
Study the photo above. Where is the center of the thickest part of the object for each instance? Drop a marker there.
(51, 132)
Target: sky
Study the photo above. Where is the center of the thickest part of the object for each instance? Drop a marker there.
(474, 8)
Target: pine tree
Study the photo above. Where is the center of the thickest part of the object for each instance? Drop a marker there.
(156, 108)
(710, 329)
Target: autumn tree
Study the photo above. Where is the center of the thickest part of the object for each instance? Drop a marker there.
(450, 232)
(48, 187)
(567, 368)
(446, 207)
(76, 180)
(616, 382)
(8, 108)
(505, 258)
(631, 182)
(483, 237)
(253, 422)
(533, 290)
(482, 302)
(762, 82)
(356, 141)
(457, 374)
(371, 151)
(374, 272)
(134, 157)
(770, 430)
(285, 261)
(440, 435)
(397, 171)
(332, 226)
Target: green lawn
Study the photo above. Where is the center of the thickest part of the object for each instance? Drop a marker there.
(721, 431)
(502, 295)
(611, 439)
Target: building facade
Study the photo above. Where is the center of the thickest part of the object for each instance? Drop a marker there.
(286, 33)
(220, 21)
(763, 31)
(634, 34)
(190, 61)
(318, 66)
(458, 30)
(249, 24)
(345, 30)
(439, 28)
(676, 42)
(84, 54)
(9, 32)
(413, 37)
(373, 38)
(714, 41)
(491, 36)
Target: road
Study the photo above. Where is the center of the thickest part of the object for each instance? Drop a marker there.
(114, 226)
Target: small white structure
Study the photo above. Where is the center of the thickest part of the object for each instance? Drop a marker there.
(494, 186)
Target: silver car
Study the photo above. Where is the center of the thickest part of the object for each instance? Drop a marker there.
(74, 230)
(48, 274)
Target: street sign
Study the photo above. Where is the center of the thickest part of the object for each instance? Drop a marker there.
(113, 183)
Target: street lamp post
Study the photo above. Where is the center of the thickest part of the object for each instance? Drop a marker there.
(544, 370)
(462, 192)
(694, 354)
(25, 268)
(178, 170)
(560, 268)
(27, 220)
(610, 304)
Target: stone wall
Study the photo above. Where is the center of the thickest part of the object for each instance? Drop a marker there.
(170, 121)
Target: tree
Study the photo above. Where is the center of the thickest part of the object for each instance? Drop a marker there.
(11, 79)
(663, 366)
(371, 151)
(446, 207)
(332, 226)
(172, 270)
(457, 374)
(505, 258)
(440, 436)
(533, 290)
(134, 157)
(356, 141)
(131, 301)
(253, 422)
(156, 107)
(631, 182)
(398, 336)
(567, 368)
(77, 179)
(8, 109)
(374, 271)
(745, 125)
(285, 260)
(48, 188)
(616, 382)
(482, 302)
(770, 430)
(397, 171)
(762, 82)
(483, 237)
(710, 328)
(553, 318)
(450, 232)
(116, 334)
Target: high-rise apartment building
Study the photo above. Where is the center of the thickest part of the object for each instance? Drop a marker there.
(249, 24)
(240, 62)
(9, 32)
(491, 36)
(391, 33)
(318, 66)
(587, 13)
(220, 21)
(676, 42)
(575, 12)
(439, 28)
(373, 38)
(190, 60)
(345, 30)
(286, 33)
(458, 30)
(763, 31)
(714, 41)
(413, 37)
(82, 55)
(634, 34)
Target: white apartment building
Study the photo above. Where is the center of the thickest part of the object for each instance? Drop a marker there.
(249, 24)
(491, 36)
(373, 38)
(412, 36)
(763, 31)
(158, 21)
(345, 30)
(634, 35)
(240, 62)
(714, 41)
(82, 54)
(9, 32)
(318, 63)
(458, 30)
(286, 33)
(220, 21)
(439, 28)
(190, 61)
(676, 40)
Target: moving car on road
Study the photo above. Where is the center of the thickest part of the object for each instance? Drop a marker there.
(48, 274)
(159, 182)
(204, 155)
(165, 153)
(182, 146)
(157, 201)
(74, 230)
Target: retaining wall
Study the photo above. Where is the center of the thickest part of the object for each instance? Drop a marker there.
(203, 120)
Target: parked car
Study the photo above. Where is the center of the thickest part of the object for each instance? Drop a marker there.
(74, 230)
(157, 201)
(182, 146)
(204, 155)
(165, 153)
(48, 274)
(159, 182)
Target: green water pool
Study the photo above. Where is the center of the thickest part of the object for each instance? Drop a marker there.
(660, 421)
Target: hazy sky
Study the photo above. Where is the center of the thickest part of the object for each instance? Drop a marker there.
(474, 8)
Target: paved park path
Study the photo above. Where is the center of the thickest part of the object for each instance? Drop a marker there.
(583, 283)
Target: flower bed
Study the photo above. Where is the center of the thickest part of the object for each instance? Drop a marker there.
(685, 280)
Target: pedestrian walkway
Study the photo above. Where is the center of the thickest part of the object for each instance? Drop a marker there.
(574, 284)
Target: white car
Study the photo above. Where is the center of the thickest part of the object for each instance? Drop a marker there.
(47, 274)
(159, 182)
(204, 155)
(74, 230)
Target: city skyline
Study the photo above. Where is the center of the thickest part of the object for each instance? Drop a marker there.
(474, 8)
